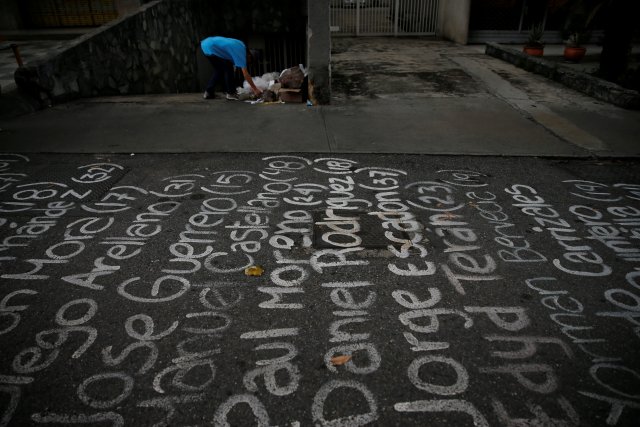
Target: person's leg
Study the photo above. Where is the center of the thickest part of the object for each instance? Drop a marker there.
(229, 84)
(229, 81)
(218, 71)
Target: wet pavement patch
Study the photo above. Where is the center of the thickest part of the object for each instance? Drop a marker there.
(455, 81)
(350, 85)
(514, 80)
(450, 82)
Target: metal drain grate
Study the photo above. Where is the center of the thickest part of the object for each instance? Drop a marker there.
(340, 233)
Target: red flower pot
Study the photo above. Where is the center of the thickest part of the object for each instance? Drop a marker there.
(574, 54)
(533, 50)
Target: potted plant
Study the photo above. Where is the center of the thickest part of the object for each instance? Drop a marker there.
(574, 51)
(581, 13)
(534, 45)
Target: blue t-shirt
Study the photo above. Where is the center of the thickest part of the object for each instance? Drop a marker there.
(226, 48)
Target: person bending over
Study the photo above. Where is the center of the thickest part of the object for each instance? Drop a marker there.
(225, 53)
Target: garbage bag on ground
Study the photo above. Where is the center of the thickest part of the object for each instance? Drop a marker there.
(292, 78)
(260, 83)
(265, 82)
(269, 96)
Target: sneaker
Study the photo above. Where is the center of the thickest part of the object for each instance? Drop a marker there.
(232, 97)
(207, 95)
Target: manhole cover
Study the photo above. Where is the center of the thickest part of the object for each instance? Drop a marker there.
(334, 229)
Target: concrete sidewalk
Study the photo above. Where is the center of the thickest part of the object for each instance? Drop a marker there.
(390, 96)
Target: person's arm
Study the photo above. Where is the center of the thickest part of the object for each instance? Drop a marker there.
(249, 80)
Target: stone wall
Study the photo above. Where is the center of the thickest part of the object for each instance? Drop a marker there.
(150, 51)
(155, 49)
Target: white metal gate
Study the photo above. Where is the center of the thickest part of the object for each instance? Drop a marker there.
(384, 17)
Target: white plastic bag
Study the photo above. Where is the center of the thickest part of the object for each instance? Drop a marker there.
(266, 82)
(271, 76)
(260, 83)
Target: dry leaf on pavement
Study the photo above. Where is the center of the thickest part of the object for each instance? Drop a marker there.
(449, 215)
(254, 270)
(340, 360)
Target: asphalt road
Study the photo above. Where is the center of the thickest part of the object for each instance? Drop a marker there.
(391, 290)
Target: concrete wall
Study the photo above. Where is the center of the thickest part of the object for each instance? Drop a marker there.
(453, 20)
(319, 51)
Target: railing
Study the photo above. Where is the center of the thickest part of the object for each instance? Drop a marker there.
(70, 13)
(384, 17)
